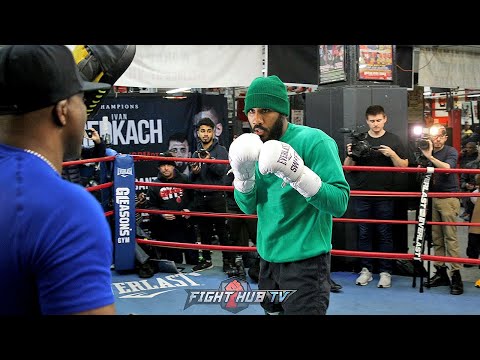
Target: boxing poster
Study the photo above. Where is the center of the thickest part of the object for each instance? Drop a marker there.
(332, 63)
(375, 62)
(143, 124)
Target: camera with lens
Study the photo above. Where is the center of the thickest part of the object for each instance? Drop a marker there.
(422, 143)
(202, 153)
(89, 133)
(360, 146)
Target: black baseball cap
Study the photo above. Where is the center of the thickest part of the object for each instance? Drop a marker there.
(165, 161)
(33, 77)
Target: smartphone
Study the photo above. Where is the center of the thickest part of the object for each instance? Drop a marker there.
(89, 133)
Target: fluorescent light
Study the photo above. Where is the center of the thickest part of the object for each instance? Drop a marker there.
(173, 91)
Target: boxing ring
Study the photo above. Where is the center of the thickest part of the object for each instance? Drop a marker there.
(204, 293)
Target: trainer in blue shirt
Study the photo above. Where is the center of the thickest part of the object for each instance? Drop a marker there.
(56, 245)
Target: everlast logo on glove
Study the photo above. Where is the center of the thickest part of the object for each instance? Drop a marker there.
(284, 155)
(289, 167)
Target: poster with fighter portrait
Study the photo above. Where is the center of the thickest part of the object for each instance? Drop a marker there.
(140, 124)
(145, 124)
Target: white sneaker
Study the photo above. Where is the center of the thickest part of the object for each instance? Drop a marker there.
(364, 278)
(385, 280)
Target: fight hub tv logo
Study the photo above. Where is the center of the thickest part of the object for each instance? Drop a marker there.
(234, 295)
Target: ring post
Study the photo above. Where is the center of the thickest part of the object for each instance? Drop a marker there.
(421, 228)
(124, 212)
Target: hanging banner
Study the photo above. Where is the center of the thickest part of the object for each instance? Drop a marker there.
(448, 69)
(148, 124)
(141, 124)
(193, 66)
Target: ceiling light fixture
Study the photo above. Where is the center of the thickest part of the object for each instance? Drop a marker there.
(173, 91)
(175, 97)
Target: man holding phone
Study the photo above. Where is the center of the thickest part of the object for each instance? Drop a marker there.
(83, 174)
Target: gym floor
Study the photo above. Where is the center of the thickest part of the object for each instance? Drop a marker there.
(167, 293)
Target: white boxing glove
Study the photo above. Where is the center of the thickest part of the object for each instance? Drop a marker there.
(281, 159)
(243, 154)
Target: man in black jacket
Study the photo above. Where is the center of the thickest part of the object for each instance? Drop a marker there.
(206, 199)
(169, 227)
(240, 231)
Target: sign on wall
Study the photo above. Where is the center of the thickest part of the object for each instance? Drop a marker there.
(141, 124)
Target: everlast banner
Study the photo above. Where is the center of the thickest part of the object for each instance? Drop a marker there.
(141, 124)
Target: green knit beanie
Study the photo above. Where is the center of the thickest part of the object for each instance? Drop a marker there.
(267, 93)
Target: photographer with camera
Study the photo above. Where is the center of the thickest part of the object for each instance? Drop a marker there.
(378, 147)
(85, 174)
(208, 200)
(444, 237)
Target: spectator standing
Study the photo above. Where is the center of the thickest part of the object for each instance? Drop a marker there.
(240, 231)
(390, 152)
(468, 154)
(475, 137)
(210, 200)
(466, 131)
(468, 160)
(444, 237)
(473, 247)
(211, 113)
(73, 173)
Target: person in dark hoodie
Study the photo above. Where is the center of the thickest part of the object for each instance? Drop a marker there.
(75, 173)
(170, 227)
(207, 200)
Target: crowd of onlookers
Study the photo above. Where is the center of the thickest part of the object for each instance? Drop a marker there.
(387, 150)
(197, 229)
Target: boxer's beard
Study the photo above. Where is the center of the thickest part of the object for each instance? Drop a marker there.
(275, 133)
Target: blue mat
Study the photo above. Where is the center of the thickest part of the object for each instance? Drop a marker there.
(167, 294)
